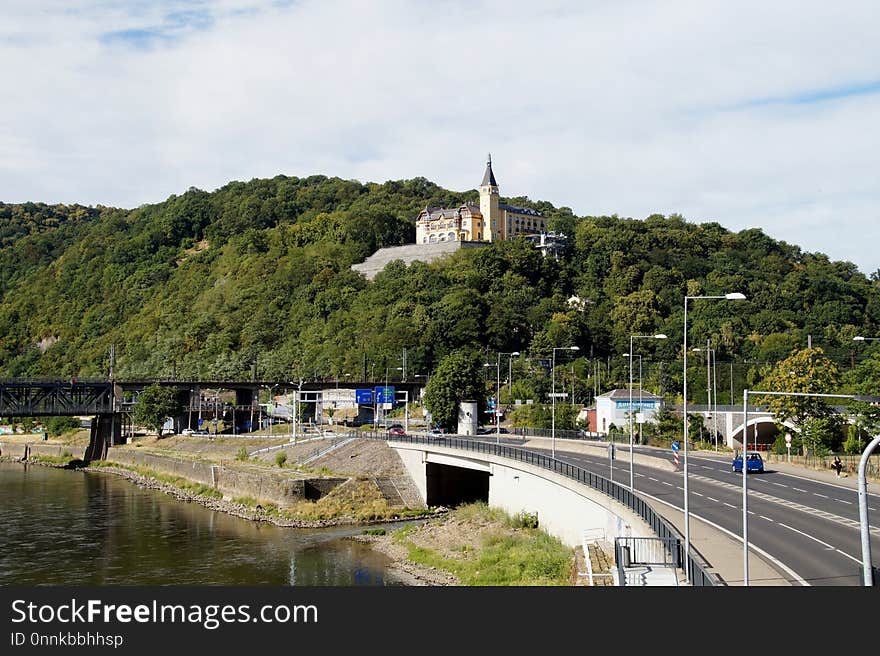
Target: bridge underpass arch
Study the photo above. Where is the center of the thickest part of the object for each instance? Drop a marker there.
(767, 432)
(450, 486)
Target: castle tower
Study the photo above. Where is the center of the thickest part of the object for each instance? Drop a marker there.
(489, 205)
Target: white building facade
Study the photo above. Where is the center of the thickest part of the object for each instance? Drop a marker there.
(613, 408)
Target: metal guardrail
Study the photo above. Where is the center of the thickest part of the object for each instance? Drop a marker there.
(698, 567)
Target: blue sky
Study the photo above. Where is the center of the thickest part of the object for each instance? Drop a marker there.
(751, 114)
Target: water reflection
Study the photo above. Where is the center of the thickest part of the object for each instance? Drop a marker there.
(82, 528)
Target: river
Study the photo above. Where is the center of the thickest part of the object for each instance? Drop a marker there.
(60, 527)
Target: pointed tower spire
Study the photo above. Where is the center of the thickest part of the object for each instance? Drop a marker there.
(488, 176)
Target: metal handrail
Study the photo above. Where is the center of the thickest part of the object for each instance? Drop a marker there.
(698, 567)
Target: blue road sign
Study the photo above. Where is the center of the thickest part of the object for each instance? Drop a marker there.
(675, 446)
(201, 421)
(363, 396)
(384, 395)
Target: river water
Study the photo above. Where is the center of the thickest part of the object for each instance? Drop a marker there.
(60, 527)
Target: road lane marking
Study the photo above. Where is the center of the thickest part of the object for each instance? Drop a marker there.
(680, 487)
(821, 495)
(875, 530)
(711, 499)
(653, 479)
(767, 518)
(697, 493)
(830, 547)
(797, 489)
(729, 504)
(794, 575)
(807, 535)
(669, 484)
(779, 484)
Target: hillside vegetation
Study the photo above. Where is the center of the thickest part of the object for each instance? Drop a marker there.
(254, 280)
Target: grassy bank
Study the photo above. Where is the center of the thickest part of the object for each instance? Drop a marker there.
(485, 546)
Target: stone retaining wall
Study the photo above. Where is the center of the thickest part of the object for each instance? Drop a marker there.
(20, 451)
(276, 488)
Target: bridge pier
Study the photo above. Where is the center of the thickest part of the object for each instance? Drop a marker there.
(106, 432)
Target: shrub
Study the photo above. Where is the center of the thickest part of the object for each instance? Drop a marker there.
(280, 458)
(242, 454)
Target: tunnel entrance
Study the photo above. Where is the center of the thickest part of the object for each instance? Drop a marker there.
(451, 486)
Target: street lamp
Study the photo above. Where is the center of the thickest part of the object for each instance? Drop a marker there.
(510, 376)
(497, 366)
(553, 396)
(498, 386)
(733, 296)
(711, 396)
(630, 354)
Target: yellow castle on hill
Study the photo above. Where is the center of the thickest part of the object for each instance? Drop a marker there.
(489, 221)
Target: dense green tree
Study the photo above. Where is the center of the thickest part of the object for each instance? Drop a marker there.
(459, 377)
(155, 404)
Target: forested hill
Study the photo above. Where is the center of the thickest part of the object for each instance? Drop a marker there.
(255, 278)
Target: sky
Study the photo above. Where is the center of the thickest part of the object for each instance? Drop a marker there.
(749, 114)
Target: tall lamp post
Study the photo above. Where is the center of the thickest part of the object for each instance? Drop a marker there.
(498, 385)
(497, 366)
(733, 296)
(553, 395)
(630, 354)
(711, 396)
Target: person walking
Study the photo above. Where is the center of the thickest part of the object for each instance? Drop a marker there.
(837, 465)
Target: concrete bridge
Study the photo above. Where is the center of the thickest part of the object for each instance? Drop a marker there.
(568, 501)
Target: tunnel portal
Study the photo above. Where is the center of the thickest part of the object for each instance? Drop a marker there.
(451, 486)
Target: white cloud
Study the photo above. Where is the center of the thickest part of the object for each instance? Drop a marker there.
(607, 107)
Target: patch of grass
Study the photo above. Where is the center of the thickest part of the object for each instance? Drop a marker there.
(241, 454)
(280, 458)
(246, 501)
(525, 557)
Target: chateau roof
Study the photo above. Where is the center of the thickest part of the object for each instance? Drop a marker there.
(519, 210)
(488, 176)
(434, 213)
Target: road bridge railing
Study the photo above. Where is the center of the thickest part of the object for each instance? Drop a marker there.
(698, 568)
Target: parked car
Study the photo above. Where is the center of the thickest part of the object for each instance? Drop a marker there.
(754, 460)
(187, 431)
(396, 431)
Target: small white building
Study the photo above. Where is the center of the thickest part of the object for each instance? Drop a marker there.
(614, 408)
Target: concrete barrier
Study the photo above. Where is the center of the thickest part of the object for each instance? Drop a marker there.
(264, 486)
(21, 451)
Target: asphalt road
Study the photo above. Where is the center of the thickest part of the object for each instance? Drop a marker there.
(810, 526)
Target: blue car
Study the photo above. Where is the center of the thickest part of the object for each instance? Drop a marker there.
(755, 463)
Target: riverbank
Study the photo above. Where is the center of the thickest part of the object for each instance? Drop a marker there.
(352, 483)
(474, 545)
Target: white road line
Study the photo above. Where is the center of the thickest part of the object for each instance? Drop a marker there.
(807, 535)
(669, 484)
(767, 518)
(680, 487)
(711, 499)
(733, 535)
(849, 503)
(697, 493)
(821, 495)
(653, 479)
(729, 504)
(779, 484)
(638, 474)
(797, 489)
